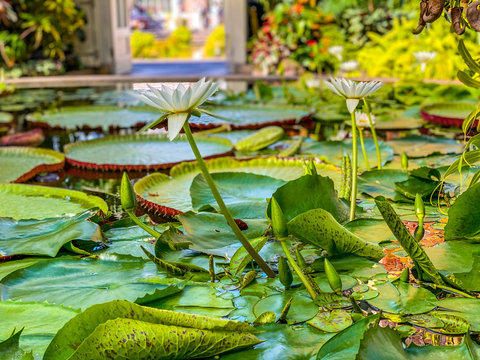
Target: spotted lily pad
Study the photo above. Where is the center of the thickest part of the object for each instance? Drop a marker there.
(141, 152)
(21, 201)
(301, 309)
(167, 196)
(331, 321)
(103, 118)
(19, 164)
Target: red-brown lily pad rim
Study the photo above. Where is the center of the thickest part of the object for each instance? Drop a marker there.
(425, 112)
(215, 164)
(140, 137)
(41, 168)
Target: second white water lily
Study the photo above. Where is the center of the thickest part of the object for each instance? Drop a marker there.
(353, 91)
(178, 103)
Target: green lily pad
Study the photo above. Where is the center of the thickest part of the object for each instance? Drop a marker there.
(208, 231)
(10, 348)
(249, 116)
(334, 151)
(245, 194)
(310, 192)
(353, 265)
(373, 230)
(80, 283)
(171, 196)
(41, 202)
(40, 323)
(9, 267)
(463, 216)
(403, 298)
(103, 118)
(448, 110)
(19, 164)
(381, 182)
(465, 308)
(422, 146)
(43, 237)
(141, 152)
(301, 309)
(331, 321)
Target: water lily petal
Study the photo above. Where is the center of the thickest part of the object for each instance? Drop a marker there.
(332, 87)
(175, 124)
(352, 104)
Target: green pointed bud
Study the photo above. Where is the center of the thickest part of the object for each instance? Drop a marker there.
(310, 168)
(279, 223)
(127, 195)
(419, 208)
(300, 259)
(284, 273)
(405, 276)
(404, 161)
(333, 277)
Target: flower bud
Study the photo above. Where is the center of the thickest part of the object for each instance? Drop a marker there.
(404, 161)
(284, 273)
(333, 277)
(279, 223)
(127, 195)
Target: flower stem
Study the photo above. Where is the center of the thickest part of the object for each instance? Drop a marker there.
(353, 196)
(297, 269)
(364, 151)
(374, 135)
(223, 208)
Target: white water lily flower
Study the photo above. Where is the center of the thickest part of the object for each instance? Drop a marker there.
(178, 103)
(348, 66)
(423, 57)
(336, 51)
(353, 91)
(361, 119)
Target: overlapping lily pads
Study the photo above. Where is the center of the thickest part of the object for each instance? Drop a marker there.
(19, 164)
(141, 152)
(102, 118)
(171, 196)
(21, 201)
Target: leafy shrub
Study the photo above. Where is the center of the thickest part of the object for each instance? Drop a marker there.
(393, 53)
(144, 45)
(215, 44)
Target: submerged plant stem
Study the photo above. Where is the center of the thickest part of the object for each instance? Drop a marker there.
(364, 151)
(145, 227)
(353, 196)
(223, 208)
(297, 269)
(374, 135)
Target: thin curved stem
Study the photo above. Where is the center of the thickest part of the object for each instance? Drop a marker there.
(374, 135)
(353, 196)
(297, 269)
(364, 151)
(221, 204)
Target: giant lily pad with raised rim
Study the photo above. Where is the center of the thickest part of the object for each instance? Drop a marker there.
(20, 201)
(447, 113)
(250, 116)
(18, 164)
(141, 152)
(165, 196)
(421, 146)
(102, 118)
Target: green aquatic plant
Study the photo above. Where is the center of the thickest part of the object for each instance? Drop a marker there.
(353, 92)
(178, 105)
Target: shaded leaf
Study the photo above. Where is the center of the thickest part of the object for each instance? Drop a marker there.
(10, 348)
(241, 258)
(463, 216)
(331, 321)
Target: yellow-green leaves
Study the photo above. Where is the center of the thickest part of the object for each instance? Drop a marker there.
(279, 223)
(122, 329)
(420, 213)
(333, 278)
(127, 195)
